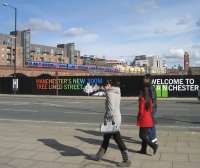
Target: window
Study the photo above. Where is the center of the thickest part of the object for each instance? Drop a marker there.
(38, 51)
(52, 52)
(157, 63)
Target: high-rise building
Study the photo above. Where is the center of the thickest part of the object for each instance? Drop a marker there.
(7, 50)
(140, 61)
(47, 54)
(23, 41)
(156, 65)
(26, 44)
(186, 63)
(71, 52)
(64, 47)
(152, 64)
(77, 57)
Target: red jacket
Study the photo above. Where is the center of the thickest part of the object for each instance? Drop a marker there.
(144, 118)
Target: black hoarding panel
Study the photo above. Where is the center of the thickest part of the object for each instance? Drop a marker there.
(25, 85)
(68, 85)
(176, 86)
(166, 86)
(6, 85)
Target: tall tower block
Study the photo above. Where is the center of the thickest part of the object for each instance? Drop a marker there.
(186, 63)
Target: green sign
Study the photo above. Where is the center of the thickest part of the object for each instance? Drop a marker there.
(161, 90)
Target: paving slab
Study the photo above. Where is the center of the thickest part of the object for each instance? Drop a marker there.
(35, 145)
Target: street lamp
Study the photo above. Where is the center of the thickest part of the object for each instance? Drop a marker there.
(15, 33)
(15, 36)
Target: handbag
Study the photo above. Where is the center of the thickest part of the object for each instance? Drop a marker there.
(109, 127)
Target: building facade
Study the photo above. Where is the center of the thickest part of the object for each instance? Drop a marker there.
(71, 52)
(155, 65)
(151, 64)
(186, 63)
(47, 54)
(34, 59)
(141, 61)
(63, 53)
(7, 51)
(194, 71)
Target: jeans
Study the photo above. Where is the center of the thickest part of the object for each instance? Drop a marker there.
(145, 139)
(152, 130)
(152, 133)
(117, 138)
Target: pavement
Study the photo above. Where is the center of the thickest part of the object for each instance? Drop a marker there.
(26, 144)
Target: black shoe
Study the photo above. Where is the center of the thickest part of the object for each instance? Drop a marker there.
(142, 152)
(124, 164)
(98, 156)
(155, 148)
(93, 157)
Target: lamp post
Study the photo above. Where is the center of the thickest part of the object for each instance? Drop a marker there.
(15, 33)
(15, 81)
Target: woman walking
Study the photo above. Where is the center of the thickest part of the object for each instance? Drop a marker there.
(145, 120)
(152, 131)
(112, 113)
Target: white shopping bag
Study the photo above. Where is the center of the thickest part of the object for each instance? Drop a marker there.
(109, 127)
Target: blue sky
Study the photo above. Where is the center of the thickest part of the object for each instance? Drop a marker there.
(112, 28)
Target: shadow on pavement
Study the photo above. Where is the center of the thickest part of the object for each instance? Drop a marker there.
(97, 133)
(98, 142)
(68, 150)
(110, 161)
(91, 132)
(63, 149)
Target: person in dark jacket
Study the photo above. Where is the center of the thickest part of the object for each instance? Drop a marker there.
(145, 120)
(152, 131)
(112, 113)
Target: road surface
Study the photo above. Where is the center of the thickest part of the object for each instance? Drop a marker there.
(180, 112)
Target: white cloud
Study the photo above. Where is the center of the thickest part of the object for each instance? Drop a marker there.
(156, 28)
(195, 51)
(161, 30)
(176, 56)
(36, 24)
(175, 26)
(196, 63)
(135, 47)
(184, 20)
(198, 22)
(177, 53)
(75, 31)
(146, 6)
(80, 34)
(196, 46)
(130, 49)
(90, 37)
(195, 55)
